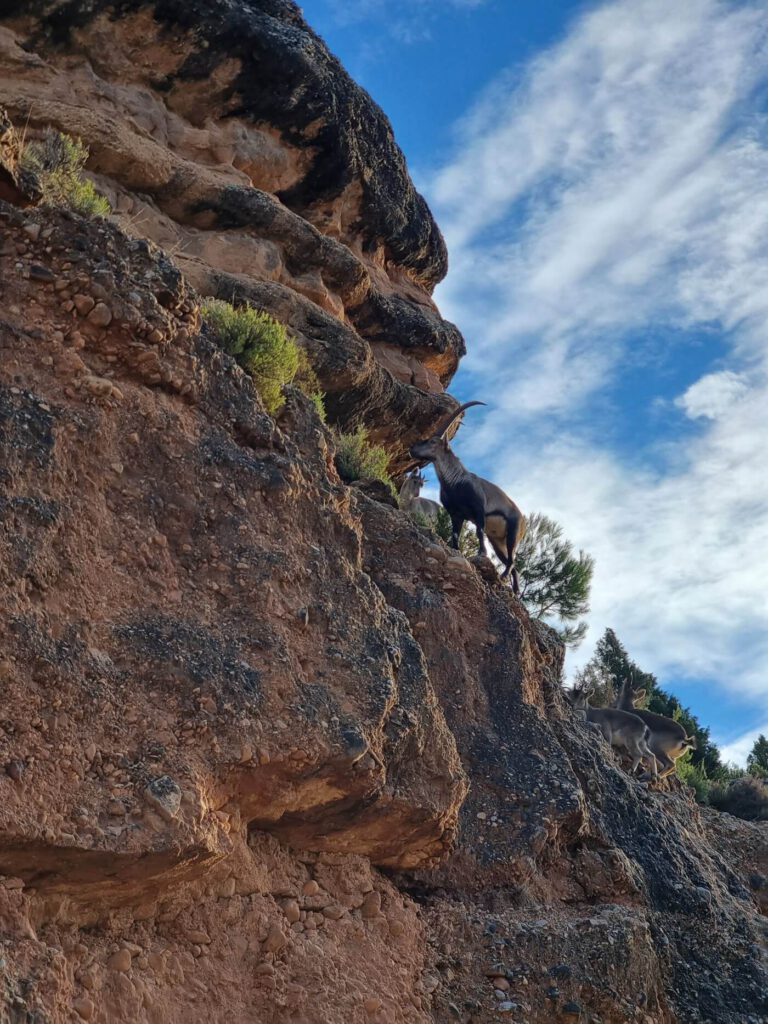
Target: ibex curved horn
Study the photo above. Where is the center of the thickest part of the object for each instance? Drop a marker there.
(456, 415)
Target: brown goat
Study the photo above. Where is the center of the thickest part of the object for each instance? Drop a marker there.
(668, 739)
(620, 728)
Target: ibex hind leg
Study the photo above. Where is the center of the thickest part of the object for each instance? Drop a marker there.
(667, 766)
(661, 765)
(513, 532)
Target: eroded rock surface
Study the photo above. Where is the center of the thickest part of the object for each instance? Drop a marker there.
(228, 134)
(268, 750)
(242, 705)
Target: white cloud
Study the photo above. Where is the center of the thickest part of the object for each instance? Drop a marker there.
(614, 188)
(738, 749)
(602, 187)
(713, 395)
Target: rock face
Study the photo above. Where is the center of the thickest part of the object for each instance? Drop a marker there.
(228, 134)
(269, 751)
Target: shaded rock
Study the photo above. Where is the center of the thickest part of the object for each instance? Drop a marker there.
(164, 796)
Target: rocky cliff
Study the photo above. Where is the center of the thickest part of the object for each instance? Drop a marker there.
(269, 751)
(227, 133)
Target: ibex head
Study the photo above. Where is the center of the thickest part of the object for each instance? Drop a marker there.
(578, 698)
(432, 447)
(412, 486)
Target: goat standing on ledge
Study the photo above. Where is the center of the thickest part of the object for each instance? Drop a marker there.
(469, 497)
(411, 502)
(620, 728)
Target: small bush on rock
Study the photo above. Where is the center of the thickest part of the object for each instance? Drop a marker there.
(695, 776)
(57, 161)
(468, 545)
(746, 797)
(264, 349)
(358, 459)
(307, 380)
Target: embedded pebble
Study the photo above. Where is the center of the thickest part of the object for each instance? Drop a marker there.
(291, 911)
(120, 961)
(100, 315)
(39, 273)
(275, 939)
(83, 303)
(334, 912)
(371, 906)
(84, 1008)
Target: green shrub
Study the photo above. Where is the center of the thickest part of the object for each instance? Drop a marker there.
(421, 519)
(260, 344)
(358, 459)
(306, 379)
(468, 545)
(695, 776)
(746, 797)
(57, 160)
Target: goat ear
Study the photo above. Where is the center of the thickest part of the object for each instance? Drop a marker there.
(638, 694)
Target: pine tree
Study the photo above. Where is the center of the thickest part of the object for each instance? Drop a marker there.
(555, 581)
(757, 760)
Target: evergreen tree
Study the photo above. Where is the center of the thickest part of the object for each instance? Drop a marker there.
(596, 678)
(554, 581)
(757, 761)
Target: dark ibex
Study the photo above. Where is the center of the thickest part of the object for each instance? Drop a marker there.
(669, 739)
(411, 502)
(469, 497)
(620, 728)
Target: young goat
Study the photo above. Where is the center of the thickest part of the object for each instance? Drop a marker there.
(620, 728)
(469, 497)
(669, 739)
(411, 502)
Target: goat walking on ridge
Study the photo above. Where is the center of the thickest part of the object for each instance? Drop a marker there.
(470, 497)
(411, 502)
(620, 728)
(669, 739)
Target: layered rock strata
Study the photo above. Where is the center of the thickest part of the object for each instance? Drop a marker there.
(272, 752)
(228, 134)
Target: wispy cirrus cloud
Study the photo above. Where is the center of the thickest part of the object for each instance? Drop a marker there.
(408, 21)
(606, 185)
(605, 207)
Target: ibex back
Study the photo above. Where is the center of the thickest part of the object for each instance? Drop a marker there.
(620, 728)
(668, 740)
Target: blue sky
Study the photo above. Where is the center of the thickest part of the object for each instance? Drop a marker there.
(600, 172)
